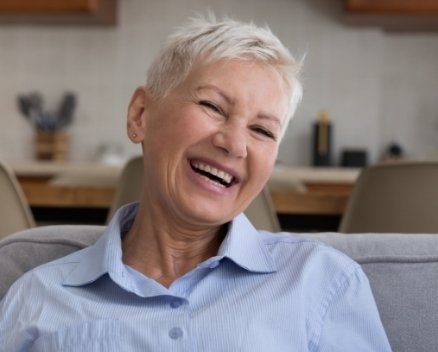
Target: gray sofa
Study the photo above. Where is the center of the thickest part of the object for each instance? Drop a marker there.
(403, 271)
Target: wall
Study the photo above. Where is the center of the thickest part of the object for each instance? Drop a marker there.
(376, 86)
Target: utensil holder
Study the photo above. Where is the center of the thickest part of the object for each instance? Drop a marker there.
(52, 145)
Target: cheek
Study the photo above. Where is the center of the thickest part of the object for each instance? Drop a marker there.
(172, 127)
(194, 125)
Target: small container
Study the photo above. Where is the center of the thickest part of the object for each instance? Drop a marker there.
(52, 145)
(354, 158)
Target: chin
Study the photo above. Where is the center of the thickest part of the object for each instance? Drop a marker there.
(212, 217)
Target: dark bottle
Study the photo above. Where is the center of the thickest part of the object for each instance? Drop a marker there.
(322, 140)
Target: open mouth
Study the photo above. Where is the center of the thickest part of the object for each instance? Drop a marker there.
(212, 174)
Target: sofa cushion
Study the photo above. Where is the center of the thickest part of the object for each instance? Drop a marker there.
(403, 273)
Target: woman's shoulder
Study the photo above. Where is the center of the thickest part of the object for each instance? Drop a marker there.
(301, 250)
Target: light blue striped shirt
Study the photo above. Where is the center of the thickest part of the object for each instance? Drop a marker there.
(262, 292)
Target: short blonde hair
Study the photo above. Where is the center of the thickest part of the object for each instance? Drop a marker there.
(205, 38)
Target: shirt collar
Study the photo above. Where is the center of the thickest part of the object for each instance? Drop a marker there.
(105, 256)
(243, 245)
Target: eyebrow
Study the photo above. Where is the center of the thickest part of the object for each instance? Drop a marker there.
(270, 117)
(231, 101)
(228, 99)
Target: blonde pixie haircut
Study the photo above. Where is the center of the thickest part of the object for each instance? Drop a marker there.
(203, 38)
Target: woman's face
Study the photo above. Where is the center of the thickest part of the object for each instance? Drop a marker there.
(211, 143)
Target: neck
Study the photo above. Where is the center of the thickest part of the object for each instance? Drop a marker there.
(164, 251)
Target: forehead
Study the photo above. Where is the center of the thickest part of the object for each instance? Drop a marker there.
(240, 79)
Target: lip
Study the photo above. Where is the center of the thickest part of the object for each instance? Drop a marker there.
(217, 165)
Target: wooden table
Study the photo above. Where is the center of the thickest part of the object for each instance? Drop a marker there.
(74, 185)
(326, 190)
(86, 185)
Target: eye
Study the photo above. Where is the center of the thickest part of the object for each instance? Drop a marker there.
(211, 106)
(264, 132)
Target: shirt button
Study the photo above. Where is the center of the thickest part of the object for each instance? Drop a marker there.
(176, 303)
(175, 333)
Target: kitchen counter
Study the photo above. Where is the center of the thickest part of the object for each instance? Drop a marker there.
(294, 190)
(67, 184)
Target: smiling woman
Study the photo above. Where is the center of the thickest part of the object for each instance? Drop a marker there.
(231, 112)
(184, 269)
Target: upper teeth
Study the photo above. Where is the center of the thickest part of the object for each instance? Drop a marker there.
(212, 170)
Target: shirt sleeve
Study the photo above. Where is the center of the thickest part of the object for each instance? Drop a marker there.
(350, 320)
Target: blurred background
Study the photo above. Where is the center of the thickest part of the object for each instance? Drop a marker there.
(377, 86)
(68, 69)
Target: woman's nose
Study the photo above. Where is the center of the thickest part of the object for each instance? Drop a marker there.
(232, 140)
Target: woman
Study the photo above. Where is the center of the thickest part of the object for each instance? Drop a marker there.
(184, 269)
(209, 140)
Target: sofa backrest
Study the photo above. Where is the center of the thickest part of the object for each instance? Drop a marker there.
(402, 269)
(27, 249)
(403, 273)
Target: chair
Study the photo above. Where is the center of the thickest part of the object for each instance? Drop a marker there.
(130, 185)
(262, 214)
(396, 197)
(15, 214)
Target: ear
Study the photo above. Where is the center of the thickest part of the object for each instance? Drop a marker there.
(137, 110)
